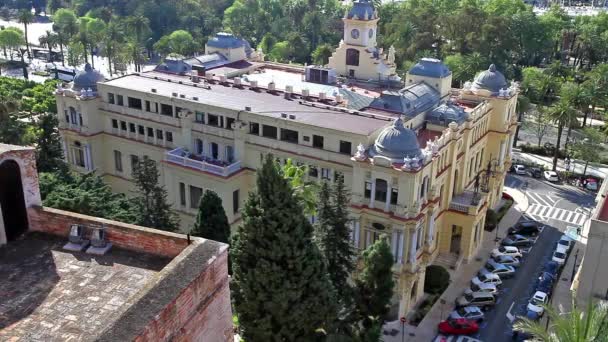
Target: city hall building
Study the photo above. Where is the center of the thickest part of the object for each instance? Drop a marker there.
(423, 161)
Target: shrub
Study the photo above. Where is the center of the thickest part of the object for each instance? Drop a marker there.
(491, 220)
(542, 150)
(436, 279)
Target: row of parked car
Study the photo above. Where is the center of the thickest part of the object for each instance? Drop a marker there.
(535, 172)
(485, 287)
(546, 282)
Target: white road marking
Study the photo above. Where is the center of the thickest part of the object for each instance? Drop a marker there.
(509, 315)
(541, 213)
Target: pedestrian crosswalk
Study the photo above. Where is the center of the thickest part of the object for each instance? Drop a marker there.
(549, 212)
(542, 199)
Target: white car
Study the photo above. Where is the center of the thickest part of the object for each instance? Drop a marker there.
(560, 255)
(506, 250)
(551, 176)
(483, 287)
(565, 242)
(469, 312)
(488, 278)
(520, 169)
(537, 301)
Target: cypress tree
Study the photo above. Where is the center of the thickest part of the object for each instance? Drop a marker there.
(211, 221)
(280, 286)
(151, 204)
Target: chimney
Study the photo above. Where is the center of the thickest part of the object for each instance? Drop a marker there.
(271, 86)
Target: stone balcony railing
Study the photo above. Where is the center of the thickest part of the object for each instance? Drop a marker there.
(180, 156)
(468, 202)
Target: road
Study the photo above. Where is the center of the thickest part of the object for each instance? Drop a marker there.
(558, 207)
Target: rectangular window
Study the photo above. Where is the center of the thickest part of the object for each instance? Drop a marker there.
(141, 130)
(317, 141)
(147, 106)
(134, 162)
(79, 119)
(182, 194)
(199, 117)
(114, 123)
(269, 131)
(213, 120)
(345, 147)
(254, 128)
(313, 171)
(119, 100)
(169, 136)
(229, 122)
(159, 134)
(394, 195)
(325, 173)
(123, 125)
(306, 138)
(111, 98)
(289, 135)
(132, 127)
(166, 109)
(235, 201)
(195, 196)
(150, 132)
(67, 116)
(134, 103)
(368, 189)
(178, 110)
(117, 161)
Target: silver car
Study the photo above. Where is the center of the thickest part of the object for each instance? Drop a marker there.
(482, 287)
(507, 260)
(468, 312)
(500, 270)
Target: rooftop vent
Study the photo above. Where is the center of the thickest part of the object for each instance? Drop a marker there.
(154, 90)
(248, 109)
(292, 116)
(284, 115)
(182, 96)
(195, 98)
(174, 94)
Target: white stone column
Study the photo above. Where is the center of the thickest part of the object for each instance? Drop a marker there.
(431, 228)
(372, 197)
(400, 240)
(394, 245)
(88, 161)
(501, 157)
(357, 232)
(387, 205)
(413, 238)
(66, 155)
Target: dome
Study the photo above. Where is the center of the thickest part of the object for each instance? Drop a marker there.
(362, 10)
(396, 142)
(491, 79)
(446, 113)
(430, 67)
(87, 78)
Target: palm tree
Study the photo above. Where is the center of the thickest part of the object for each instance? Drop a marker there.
(578, 325)
(48, 40)
(26, 17)
(578, 98)
(96, 29)
(561, 114)
(523, 105)
(110, 43)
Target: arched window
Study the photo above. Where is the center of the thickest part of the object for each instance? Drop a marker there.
(378, 226)
(78, 154)
(352, 57)
(73, 116)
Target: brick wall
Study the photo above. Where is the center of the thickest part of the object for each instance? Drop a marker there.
(201, 312)
(128, 236)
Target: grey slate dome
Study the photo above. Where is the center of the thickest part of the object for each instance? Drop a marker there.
(446, 113)
(87, 78)
(396, 142)
(362, 10)
(224, 40)
(491, 79)
(430, 67)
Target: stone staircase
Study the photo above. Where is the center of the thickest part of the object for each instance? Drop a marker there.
(450, 261)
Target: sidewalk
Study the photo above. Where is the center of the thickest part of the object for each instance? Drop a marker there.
(577, 166)
(427, 329)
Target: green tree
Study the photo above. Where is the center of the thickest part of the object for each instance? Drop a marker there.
(280, 286)
(48, 40)
(305, 191)
(76, 53)
(96, 29)
(280, 52)
(180, 42)
(151, 204)
(211, 221)
(539, 122)
(374, 286)
(11, 38)
(321, 54)
(588, 148)
(26, 17)
(49, 154)
(577, 325)
(65, 23)
(562, 115)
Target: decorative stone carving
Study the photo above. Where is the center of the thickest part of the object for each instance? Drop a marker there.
(59, 89)
(391, 55)
(415, 163)
(453, 126)
(360, 155)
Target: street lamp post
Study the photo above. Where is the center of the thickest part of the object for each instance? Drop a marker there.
(403, 320)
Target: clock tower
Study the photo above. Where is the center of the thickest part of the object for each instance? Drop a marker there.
(357, 56)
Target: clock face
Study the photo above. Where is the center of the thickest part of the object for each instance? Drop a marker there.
(371, 33)
(354, 33)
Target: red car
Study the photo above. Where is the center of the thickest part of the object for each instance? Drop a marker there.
(460, 326)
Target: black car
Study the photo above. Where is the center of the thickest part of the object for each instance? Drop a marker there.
(551, 268)
(536, 172)
(545, 283)
(525, 228)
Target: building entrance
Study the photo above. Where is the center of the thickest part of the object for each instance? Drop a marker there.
(12, 200)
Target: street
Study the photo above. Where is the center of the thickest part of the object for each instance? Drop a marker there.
(558, 207)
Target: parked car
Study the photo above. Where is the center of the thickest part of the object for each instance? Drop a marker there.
(560, 255)
(516, 240)
(503, 271)
(458, 327)
(551, 268)
(454, 338)
(565, 242)
(506, 250)
(591, 184)
(489, 278)
(481, 299)
(518, 335)
(507, 260)
(469, 312)
(536, 172)
(537, 301)
(545, 283)
(526, 228)
(482, 287)
(551, 176)
(532, 315)
(520, 169)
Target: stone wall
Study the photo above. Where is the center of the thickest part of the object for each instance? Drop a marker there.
(128, 236)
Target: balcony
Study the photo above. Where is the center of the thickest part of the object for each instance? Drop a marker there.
(72, 127)
(468, 202)
(180, 156)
